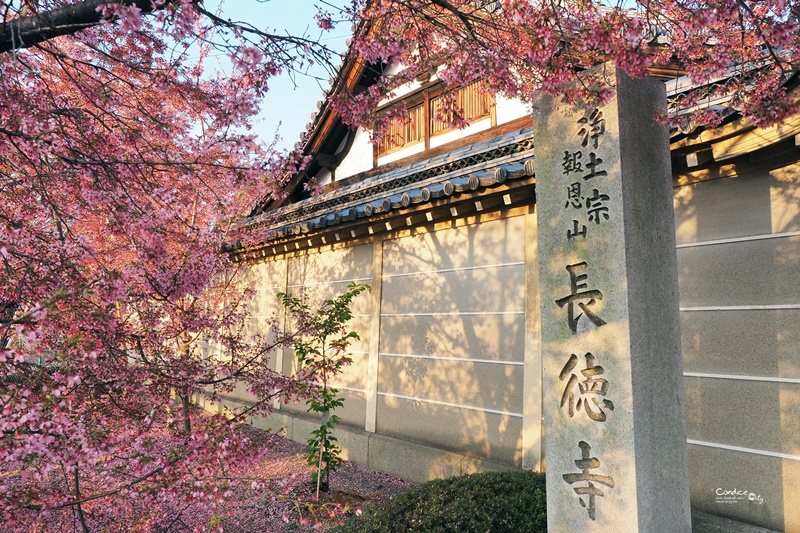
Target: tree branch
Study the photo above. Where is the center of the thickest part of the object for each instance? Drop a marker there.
(24, 32)
(460, 15)
(82, 519)
(111, 492)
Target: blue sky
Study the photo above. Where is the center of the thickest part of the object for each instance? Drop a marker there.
(289, 103)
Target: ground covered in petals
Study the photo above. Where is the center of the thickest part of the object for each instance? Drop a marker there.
(289, 505)
(270, 492)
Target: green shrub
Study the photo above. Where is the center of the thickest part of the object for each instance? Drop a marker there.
(489, 502)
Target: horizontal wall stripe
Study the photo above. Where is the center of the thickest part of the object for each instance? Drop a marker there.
(736, 377)
(351, 389)
(460, 359)
(448, 404)
(775, 307)
(459, 269)
(330, 282)
(745, 450)
(733, 240)
(352, 315)
(455, 313)
(349, 352)
(276, 288)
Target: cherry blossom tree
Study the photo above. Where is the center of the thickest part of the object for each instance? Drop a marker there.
(745, 51)
(122, 167)
(123, 164)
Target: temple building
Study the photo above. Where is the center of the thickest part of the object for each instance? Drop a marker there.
(441, 223)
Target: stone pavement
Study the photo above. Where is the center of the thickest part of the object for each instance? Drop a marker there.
(703, 523)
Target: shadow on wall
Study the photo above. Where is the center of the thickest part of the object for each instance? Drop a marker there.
(740, 323)
(452, 339)
(318, 276)
(325, 275)
(265, 311)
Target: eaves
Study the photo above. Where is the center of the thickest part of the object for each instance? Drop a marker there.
(485, 177)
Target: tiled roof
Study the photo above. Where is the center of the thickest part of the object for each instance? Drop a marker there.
(480, 166)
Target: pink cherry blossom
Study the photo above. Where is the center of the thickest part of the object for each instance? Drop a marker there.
(124, 163)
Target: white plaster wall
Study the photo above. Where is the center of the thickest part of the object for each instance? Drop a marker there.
(475, 127)
(324, 275)
(401, 91)
(451, 355)
(508, 109)
(738, 255)
(323, 176)
(359, 159)
(400, 154)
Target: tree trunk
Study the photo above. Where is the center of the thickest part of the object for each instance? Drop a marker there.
(187, 423)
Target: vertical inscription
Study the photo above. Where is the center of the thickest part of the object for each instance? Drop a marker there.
(585, 389)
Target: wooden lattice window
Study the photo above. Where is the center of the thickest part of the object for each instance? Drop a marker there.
(402, 132)
(427, 118)
(473, 101)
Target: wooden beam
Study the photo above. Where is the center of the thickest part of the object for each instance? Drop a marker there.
(755, 139)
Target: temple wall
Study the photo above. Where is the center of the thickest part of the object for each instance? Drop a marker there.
(445, 379)
(451, 347)
(444, 327)
(738, 256)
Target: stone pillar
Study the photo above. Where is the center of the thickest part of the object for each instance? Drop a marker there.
(615, 432)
